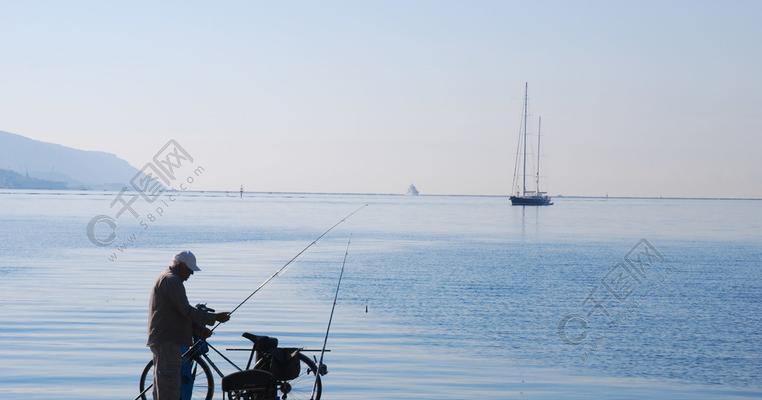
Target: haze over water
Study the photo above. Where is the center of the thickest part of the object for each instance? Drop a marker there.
(464, 294)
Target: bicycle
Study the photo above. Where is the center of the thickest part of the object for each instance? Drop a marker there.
(287, 371)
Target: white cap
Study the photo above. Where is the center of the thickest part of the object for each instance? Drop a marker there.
(187, 258)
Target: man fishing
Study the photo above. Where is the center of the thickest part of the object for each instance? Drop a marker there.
(172, 322)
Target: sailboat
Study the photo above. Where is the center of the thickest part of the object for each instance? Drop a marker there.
(526, 197)
(412, 190)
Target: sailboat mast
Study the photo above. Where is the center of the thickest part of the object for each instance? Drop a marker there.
(539, 129)
(526, 89)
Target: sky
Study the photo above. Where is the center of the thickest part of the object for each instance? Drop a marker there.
(638, 98)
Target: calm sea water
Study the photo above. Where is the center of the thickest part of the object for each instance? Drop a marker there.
(465, 296)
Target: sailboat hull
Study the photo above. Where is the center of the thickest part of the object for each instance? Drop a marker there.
(531, 201)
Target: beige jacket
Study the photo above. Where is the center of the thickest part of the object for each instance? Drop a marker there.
(170, 317)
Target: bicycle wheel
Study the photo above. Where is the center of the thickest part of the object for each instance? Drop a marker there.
(301, 386)
(203, 386)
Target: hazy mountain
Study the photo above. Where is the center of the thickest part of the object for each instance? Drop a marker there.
(60, 164)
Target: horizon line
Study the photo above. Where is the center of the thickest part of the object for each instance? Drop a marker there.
(606, 197)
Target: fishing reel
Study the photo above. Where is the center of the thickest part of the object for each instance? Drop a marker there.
(322, 369)
(203, 307)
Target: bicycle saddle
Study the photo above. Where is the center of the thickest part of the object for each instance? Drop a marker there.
(263, 343)
(250, 336)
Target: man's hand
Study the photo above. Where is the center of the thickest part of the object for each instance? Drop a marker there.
(222, 317)
(205, 333)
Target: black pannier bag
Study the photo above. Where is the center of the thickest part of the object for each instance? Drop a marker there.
(252, 384)
(285, 363)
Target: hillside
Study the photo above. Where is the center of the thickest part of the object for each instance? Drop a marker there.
(56, 164)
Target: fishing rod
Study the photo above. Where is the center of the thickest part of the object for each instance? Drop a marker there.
(333, 307)
(191, 348)
(289, 262)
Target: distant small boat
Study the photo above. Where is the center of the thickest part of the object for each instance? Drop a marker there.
(526, 197)
(412, 191)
